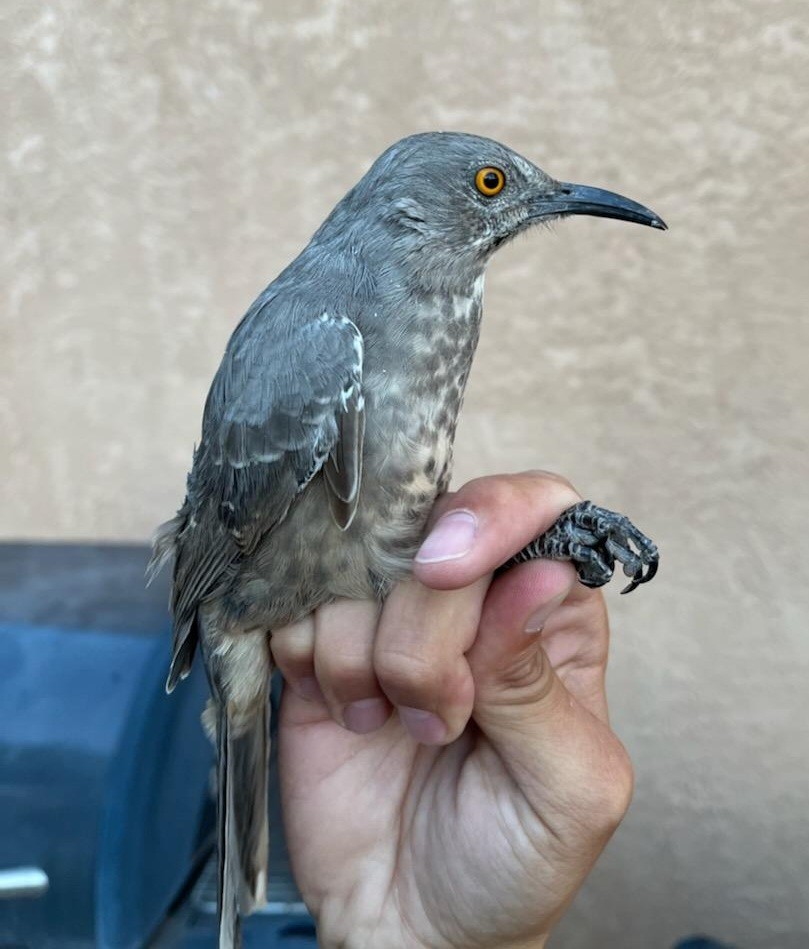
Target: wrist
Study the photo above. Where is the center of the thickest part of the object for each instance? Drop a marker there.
(340, 928)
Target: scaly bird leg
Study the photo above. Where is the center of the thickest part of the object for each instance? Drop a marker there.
(593, 538)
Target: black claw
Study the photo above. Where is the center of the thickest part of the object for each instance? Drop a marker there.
(641, 577)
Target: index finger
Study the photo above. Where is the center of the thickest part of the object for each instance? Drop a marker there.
(478, 528)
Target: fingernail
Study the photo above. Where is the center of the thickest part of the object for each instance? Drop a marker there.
(308, 689)
(365, 716)
(537, 620)
(451, 538)
(426, 728)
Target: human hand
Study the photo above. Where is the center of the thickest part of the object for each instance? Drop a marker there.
(479, 833)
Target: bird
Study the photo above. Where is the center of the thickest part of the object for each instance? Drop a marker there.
(327, 436)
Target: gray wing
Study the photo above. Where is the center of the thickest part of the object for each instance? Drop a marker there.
(285, 404)
(299, 410)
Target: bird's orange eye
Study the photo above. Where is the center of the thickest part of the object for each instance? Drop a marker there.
(490, 181)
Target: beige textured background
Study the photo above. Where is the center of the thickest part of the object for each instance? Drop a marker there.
(164, 160)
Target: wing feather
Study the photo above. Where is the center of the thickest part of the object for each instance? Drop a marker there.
(343, 468)
(286, 401)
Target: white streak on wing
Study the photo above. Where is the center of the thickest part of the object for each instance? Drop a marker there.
(266, 457)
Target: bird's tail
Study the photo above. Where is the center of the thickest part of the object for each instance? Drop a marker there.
(243, 746)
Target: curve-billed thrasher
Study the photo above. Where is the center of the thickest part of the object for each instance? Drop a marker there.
(327, 436)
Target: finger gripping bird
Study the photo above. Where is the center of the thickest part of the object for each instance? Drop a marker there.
(327, 435)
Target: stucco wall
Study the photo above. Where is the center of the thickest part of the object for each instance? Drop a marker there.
(164, 160)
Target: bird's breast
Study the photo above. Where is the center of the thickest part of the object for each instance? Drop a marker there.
(413, 397)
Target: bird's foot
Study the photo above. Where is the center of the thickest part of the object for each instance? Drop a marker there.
(593, 538)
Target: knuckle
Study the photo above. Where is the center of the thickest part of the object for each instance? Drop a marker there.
(344, 674)
(623, 781)
(505, 492)
(498, 492)
(293, 646)
(549, 477)
(558, 491)
(610, 795)
(291, 649)
(489, 491)
(402, 672)
(528, 676)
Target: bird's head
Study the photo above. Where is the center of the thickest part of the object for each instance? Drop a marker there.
(449, 200)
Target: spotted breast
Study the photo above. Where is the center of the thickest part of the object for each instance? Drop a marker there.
(413, 403)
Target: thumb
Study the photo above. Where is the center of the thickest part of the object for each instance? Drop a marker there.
(557, 751)
(516, 688)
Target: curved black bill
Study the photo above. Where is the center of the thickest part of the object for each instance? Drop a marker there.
(582, 199)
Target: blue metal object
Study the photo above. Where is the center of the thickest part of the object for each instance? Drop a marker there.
(106, 818)
(103, 779)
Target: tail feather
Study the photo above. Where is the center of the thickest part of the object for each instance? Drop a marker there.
(230, 935)
(243, 761)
